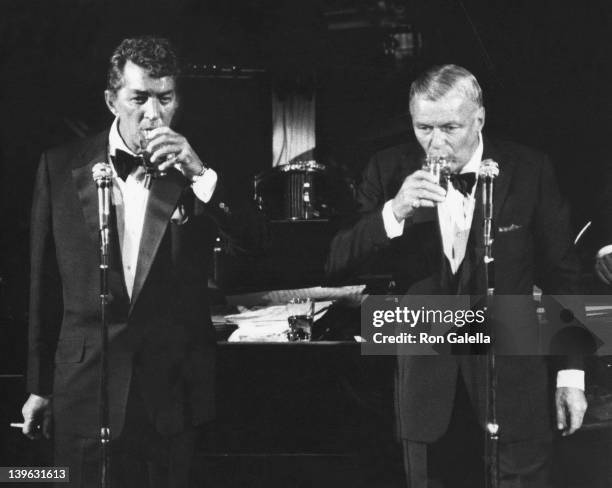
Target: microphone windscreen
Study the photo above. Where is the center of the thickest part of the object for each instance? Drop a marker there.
(488, 169)
(102, 172)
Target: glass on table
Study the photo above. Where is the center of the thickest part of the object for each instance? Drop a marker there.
(300, 315)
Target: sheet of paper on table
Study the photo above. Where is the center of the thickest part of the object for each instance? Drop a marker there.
(266, 324)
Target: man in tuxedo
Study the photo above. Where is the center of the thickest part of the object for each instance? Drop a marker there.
(161, 351)
(432, 238)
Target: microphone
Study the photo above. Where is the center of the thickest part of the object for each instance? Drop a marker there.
(488, 171)
(103, 178)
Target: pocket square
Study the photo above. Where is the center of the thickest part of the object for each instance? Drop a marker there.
(509, 228)
(179, 217)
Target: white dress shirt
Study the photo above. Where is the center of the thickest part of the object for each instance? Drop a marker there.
(455, 215)
(130, 200)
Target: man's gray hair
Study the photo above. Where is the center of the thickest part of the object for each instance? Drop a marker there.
(437, 81)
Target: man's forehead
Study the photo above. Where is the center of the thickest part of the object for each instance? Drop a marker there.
(138, 78)
(452, 104)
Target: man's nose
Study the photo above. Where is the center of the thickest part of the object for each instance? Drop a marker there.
(152, 109)
(436, 141)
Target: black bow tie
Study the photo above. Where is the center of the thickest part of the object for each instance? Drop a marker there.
(463, 182)
(125, 163)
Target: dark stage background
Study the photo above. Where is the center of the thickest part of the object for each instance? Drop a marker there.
(544, 67)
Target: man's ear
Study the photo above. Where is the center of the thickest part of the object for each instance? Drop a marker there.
(480, 117)
(109, 98)
(178, 115)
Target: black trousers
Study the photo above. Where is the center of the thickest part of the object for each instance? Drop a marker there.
(457, 459)
(139, 457)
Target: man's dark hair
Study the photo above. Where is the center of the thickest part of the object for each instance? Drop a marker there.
(155, 54)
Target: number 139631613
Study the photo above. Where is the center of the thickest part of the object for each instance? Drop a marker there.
(15, 474)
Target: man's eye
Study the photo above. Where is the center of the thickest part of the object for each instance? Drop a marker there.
(165, 100)
(140, 100)
(424, 128)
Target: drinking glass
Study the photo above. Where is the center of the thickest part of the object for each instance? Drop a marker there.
(300, 314)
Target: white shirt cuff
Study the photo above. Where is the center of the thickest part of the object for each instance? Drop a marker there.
(570, 378)
(393, 228)
(604, 250)
(204, 186)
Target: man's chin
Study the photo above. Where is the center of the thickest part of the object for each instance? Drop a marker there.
(133, 146)
(456, 166)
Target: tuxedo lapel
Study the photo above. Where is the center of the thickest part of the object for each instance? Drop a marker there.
(430, 236)
(476, 240)
(97, 152)
(163, 198)
(83, 163)
(425, 219)
(475, 247)
(502, 182)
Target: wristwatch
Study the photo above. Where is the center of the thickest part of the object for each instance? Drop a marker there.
(195, 178)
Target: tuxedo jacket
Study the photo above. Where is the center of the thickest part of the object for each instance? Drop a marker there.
(161, 341)
(532, 245)
(602, 215)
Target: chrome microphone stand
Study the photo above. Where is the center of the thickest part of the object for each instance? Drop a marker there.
(489, 170)
(102, 175)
